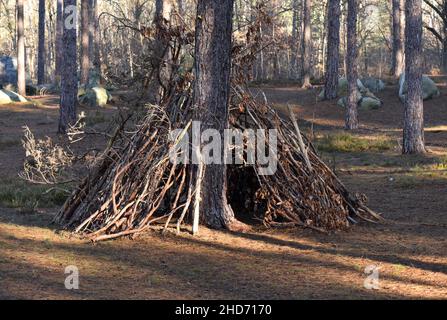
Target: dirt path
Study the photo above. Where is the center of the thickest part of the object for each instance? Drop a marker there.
(410, 250)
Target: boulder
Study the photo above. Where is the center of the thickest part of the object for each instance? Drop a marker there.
(94, 97)
(363, 102)
(8, 70)
(343, 88)
(342, 102)
(7, 97)
(368, 103)
(366, 100)
(429, 88)
(373, 84)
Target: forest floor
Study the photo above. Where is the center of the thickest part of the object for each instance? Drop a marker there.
(410, 249)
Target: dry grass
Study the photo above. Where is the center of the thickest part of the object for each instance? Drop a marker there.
(27, 197)
(346, 142)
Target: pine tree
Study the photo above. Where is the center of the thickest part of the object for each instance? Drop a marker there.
(69, 68)
(21, 81)
(333, 46)
(306, 44)
(398, 31)
(351, 64)
(41, 44)
(211, 100)
(413, 134)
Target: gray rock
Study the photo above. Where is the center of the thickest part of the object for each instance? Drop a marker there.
(7, 97)
(373, 84)
(429, 88)
(94, 97)
(8, 70)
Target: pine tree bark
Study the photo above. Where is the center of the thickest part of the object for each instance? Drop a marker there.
(85, 59)
(306, 45)
(21, 78)
(211, 99)
(69, 72)
(398, 56)
(413, 133)
(352, 122)
(333, 54)
(41, 44)
(59, 35)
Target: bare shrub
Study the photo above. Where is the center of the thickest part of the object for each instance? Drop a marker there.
(44, 159)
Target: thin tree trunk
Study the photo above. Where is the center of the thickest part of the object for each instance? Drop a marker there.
(85, 59)
(41, 44)
(397, 64)
(306, 44)
(21, 80)
(59, 35)
(69, 77)
(295, 42)
(161, 53)
(333, 46)
(96, 39)
(351, 65)
(413, 133)
(211, 99)
(51, 41)
(444, 54)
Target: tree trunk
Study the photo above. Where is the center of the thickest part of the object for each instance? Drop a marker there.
(333, 46)
(161, 51)
(351, 66)
(95, 39)
(306, 44)
(85, 59)
(69, 68)
(211, 100)
(21, 80)
(295, 42)
(397, 64)
(41, 45)
(59, 35)
(413, 133)
(444, 54)
(444, 42)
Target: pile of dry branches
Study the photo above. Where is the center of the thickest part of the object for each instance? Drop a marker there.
(136, 186)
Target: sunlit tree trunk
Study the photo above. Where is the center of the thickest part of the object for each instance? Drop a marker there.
(333, 47)
(85, 59)
(413, 133)
(21, 80)
(351, 66)
(306, 44)
(69, 68)
(397, 62)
